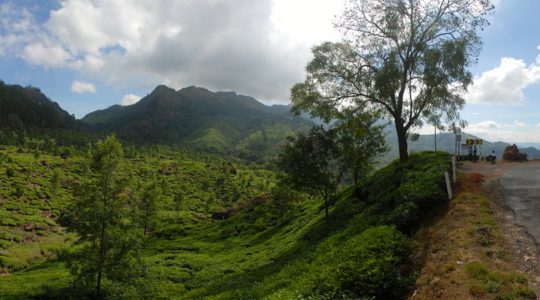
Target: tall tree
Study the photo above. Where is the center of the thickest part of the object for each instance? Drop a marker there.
(100, 216)
(406, 59)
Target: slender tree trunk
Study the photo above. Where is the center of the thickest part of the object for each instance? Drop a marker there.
(402, 141)
(355, 175)
(101, 260)
(102, 237)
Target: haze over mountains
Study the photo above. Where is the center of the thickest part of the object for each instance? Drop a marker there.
(194, 117)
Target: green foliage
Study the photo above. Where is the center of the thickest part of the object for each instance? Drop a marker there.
(100, 216)
(372, 264)
(360, 141)
(148, 206)
(10, 172)
(283, 199)
(404, 193)
(249, 252)
(26, 108)
(406, 59)
(311, 164)
(201, 120)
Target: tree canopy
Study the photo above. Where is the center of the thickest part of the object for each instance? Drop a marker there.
(405, 59)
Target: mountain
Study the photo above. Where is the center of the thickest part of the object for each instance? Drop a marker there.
(28, 108)
(200, 119)
(445, 142)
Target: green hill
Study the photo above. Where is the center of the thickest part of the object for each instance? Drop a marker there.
(194, 117)
(28, 108)
(221, 234)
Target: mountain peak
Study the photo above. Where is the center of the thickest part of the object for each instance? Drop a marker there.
(162, 89)
(195, 89)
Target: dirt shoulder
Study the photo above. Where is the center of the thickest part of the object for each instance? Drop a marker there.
(524, 249)
(475, 250)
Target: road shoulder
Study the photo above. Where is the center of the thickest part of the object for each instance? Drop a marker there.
(465, 253)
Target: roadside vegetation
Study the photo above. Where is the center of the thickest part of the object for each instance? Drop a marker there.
(464, 254)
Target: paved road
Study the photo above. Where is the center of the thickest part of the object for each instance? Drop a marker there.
(520, 191)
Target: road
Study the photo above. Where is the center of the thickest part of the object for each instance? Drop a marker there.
(520, 191)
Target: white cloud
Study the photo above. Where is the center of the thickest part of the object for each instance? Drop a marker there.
(257, 48)
(130, 99)
(82, 87)
(505, 83)
(517, 132)
(45, 55)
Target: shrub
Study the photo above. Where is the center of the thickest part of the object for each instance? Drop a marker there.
(10, 172)
(405, 216)
(404, 193)
(371, 264)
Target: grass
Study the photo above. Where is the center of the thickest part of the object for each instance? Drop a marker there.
(464, 254)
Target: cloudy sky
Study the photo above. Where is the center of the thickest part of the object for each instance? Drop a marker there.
(90, 54)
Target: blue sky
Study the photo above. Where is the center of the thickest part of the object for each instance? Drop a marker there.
(88, 55)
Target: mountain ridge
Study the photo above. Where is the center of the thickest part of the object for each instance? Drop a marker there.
(198, 118)
(28, 108)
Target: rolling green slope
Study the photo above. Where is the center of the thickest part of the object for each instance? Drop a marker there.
(251, 254)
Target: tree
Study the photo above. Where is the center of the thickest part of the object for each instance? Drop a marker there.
(282, 200)
(55, 180)
(148, 207)
(405, 59)
(360, 140)
(100, 216)
(311, 163)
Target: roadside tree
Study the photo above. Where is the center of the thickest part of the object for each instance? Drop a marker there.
(405, 59)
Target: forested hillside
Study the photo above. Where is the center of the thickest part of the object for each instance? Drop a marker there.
(196, 118)
(27, 108)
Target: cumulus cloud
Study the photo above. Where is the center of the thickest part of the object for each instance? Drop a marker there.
(130, 99)
(82, 87)
(505, 83)
(241, 45)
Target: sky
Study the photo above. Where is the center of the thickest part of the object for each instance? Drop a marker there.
(91, 54)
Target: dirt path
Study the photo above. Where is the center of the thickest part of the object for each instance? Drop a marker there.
(515, 210)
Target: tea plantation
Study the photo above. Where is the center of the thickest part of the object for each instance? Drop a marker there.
(221, 232)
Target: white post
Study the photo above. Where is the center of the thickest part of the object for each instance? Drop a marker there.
(448, 185)
(454, 169)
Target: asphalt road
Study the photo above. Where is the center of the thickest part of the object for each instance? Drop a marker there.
(520, 191)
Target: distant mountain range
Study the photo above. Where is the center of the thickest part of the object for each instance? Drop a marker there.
(194, 117)
(445, 142)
